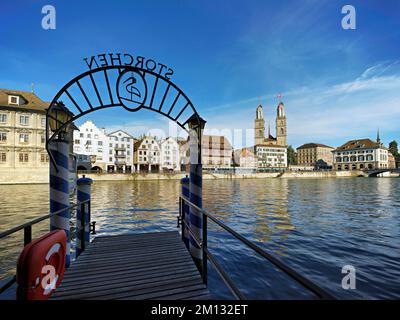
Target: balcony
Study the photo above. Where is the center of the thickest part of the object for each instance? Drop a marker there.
(120, 156)
(120, 162)
(119, 148)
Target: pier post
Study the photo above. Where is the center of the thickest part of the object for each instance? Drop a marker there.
(59, 190)
(185, 210)
(83, 214)
(196, 126)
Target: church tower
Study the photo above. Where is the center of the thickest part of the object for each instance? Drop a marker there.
(281, 125)
(259, 126)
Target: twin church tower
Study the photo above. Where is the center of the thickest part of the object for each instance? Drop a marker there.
(259, 127)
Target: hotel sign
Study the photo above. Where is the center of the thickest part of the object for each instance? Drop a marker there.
(127, 59)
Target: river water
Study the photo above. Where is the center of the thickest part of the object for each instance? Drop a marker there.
(316, 226)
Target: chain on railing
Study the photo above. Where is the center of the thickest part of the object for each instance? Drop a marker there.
(206, 254)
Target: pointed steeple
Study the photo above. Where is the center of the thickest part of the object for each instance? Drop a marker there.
(378, 138)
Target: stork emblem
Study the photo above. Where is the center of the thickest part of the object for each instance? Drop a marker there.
(131, 89)
(130, 86)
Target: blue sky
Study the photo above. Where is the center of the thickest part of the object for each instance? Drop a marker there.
(336, 84)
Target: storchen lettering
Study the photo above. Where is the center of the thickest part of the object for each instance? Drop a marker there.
(126, 59)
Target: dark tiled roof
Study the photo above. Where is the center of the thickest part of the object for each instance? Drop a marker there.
(32, 101)
(358, 144)
(313, 145)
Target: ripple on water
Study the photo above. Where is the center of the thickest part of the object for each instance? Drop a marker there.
(315, 225)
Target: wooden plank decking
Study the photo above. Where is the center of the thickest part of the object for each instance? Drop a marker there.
(133, 266)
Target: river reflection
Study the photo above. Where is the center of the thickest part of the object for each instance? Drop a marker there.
(315, 225)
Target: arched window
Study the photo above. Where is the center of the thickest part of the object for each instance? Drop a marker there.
(338, 159)
(353, 158)
(361, 158)
(346, 159)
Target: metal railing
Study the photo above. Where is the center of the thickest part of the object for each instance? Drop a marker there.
(27, 227)
(208, 256)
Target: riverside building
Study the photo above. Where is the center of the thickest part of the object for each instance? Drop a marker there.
(170, 155)
(23, 157)
(361, 154)
(315, 155)
(146, 156)
(270, 151)
(216, 152)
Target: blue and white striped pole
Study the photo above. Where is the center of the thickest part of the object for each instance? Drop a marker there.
(84, 189)
(59, 190)
(196, 125)
(185, 210)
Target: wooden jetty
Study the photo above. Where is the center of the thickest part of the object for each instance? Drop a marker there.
(133, 266)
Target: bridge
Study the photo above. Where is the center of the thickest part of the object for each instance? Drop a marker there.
(375, 172)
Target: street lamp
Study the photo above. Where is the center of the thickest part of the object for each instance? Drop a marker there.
(58, 116)
(196, 126)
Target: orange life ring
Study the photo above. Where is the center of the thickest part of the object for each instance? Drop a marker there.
(41, 266)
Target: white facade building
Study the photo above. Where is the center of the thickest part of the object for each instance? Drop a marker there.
(91, 141)
(120, 152)
(361, 154)
(169, 156)
(271, 156)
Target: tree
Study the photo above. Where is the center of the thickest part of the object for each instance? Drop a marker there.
(393, 148)
(291, 155)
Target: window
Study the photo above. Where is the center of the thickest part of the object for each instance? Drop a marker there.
(3, 136)
(24, 138)
(99, 143)
(77, 141)
(3, 117)
(42, 138)
(89, 136)
(89, 142)
(23, 157)
(110, 159)
(44, 157)
(81, 135)
(24, 120)
(43, 122)
(13, 100)
(3, 157)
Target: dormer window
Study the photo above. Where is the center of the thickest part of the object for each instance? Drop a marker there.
(13, 100)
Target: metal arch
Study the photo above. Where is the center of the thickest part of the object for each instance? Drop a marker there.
(122, 69)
